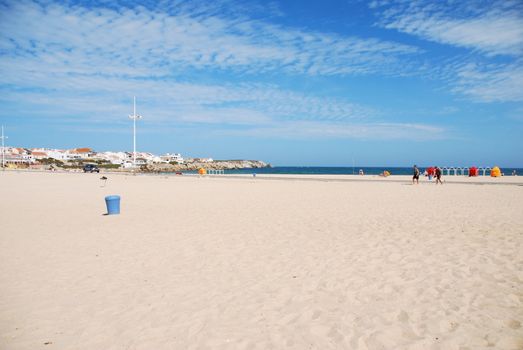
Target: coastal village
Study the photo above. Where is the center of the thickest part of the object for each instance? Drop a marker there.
(72, 159)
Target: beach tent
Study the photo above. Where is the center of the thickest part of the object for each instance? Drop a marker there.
(202, 171)
(473, 171)
(495, 172)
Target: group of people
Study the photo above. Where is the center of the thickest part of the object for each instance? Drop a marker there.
(430, 172)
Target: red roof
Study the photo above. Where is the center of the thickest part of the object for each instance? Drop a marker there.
(36, 153)
(82, 150)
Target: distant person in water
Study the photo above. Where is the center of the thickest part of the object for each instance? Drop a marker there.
(415, 175)
(361, 172)
(438, 175)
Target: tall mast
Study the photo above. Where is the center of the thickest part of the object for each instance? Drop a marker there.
(3, 148)
(134, 116)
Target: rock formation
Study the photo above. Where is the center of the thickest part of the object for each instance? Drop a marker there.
(215, 165)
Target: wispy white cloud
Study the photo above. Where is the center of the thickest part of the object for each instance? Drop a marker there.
(494, 27)
(333, 130)
(490, 82)
(100, 98)
(143, 42)
(490, 69)
(69, 62)
(109, 55)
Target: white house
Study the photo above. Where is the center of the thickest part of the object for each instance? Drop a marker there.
(39, 153)
(79, 153)
(139, 162)
(57, 154)
(112, 157)
(169, 157)
(16, 159)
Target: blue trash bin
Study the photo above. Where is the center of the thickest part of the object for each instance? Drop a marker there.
(113, 205)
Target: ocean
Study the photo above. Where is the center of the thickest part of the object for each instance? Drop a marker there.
(347, 170)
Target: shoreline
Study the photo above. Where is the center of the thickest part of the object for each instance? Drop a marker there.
(448, 179)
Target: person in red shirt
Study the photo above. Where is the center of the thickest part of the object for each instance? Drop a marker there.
(430, 173)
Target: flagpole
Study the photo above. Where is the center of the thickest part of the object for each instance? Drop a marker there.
(3, 137)
(134, 117)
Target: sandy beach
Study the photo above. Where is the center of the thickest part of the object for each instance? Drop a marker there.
(245, 263)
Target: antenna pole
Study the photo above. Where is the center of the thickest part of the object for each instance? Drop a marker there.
(134, 116)
(134, 132)
(3, 148)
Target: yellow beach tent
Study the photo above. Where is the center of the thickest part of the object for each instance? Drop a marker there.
(495, 172)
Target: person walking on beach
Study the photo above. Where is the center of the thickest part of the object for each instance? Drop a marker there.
(430, 173)
(415, 175)
(438, 175)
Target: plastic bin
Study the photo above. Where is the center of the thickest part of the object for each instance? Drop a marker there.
(113, 205)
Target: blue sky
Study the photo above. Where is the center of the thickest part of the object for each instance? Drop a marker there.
(385, 82)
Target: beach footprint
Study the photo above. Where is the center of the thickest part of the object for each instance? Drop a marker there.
(514, 324)
(407, 330)
(403, 316)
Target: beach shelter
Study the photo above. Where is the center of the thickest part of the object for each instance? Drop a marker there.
(473, 171)
(495, 172)
(202, 171)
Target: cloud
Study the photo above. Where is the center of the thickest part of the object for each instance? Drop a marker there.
(161, 101)
(490, 82)
(255, 110)
(332, 130)
(73, 63)
(493, 28)
(490, 70)
(142, 42)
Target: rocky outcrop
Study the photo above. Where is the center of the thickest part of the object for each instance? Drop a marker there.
(216, 165)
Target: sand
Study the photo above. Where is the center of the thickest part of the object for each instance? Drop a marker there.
(243, 263)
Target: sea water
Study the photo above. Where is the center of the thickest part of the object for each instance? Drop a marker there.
(294, 170)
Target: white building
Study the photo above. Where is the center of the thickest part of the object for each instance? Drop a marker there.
(112, 157)
(39, 153)
(139, 162)
(14, 155)
(169, 157)
(18, 159)
(57, 154)
(79, 153)
(147, 158)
